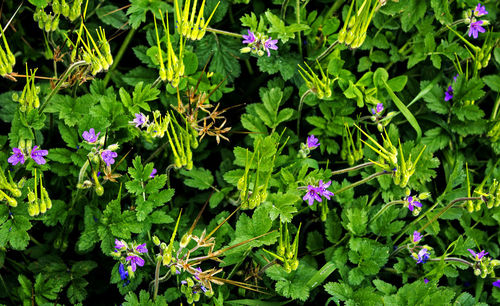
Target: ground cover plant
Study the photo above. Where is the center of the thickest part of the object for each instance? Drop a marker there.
(241, 152)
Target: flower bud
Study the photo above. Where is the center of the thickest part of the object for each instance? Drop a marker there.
(185, 240)
(167, 258)
(424, 195)
(163, 246)
(156, 240)
(99, 190)
(130, 272)
(43, 206)
(113, 147)
(196, 297)
(190, 282)
(294, 265)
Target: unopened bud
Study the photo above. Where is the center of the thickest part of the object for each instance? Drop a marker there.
(185, 240)
(156, 240)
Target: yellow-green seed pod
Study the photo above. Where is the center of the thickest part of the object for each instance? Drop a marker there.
(156, 240)
(65, 8)
(469, 205)
(349, 37)
(43, 206)
(190, 282)
(37, 208)
(294, 264)
(196, 297)
(55, 24)
(99, 190)
(341, 36)
(31, 210)
(167, 258)
(185, 240)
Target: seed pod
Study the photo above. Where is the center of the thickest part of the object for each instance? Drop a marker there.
(196, 297)
(43, 206)
(64, 8)
(167, 258)
(99, 190)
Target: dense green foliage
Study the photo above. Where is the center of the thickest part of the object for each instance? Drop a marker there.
(241, 152)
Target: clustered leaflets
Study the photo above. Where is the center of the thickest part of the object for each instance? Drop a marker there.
(475, 26)
(29, 97)
(186, 25)
(38, 202)
(25, 151)
(131, 257)
(321, 88)
(359, 17)
(7, 58)
(287, 251)
(175, 64)
(258, 43)
(180, 138)
(99, 158)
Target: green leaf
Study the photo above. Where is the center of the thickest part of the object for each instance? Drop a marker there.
(442, 11)
(319, 277)
(493, 82)
(408, 115)
(199, 178)
(384, 287)
(294, 284)
(283, 205)
(225, 51)
(339, 291)
(69, 135)
(113, 16)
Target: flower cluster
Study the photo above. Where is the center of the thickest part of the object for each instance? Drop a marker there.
(422, 256)
(19, 156)
(131, 258)
(315, 193)
(378, 109)
(258, 44)
(483, 265)
(475, 26)
(305, 148)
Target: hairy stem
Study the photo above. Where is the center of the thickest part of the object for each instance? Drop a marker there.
(216, 31)
(384, 208)
(327, 51)
(352, 168)
(366, 179)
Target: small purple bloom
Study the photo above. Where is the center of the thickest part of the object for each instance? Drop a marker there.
(153, 173)
(412, 203)
(250, 38)
(416, 236)
(123, 272)
(476, 27)
(480, 10)
(311, 195)
(120, 244)
(135, 261)
(312, 142)
(426, 280)
(204, 289)
(196, 274)
(37, 155)
(141, 248)
(478, 256)
(497, 283)
(448, 94)
(423, 255)
(140, 120)
(322, 189)
(184, 282)
(90, 136)
(16, 157)
(455, 78)
(378, 109)
(108, 157)
(270, 44)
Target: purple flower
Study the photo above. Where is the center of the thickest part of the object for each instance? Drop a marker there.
(312, 142)
(16, 157)
(123, 272)
(37, 155)
(271, 44)
(120, 244)
(153, 173)
(90, 136)
(478, 256)
(378, 109)
(455, 78)
(426, 280)
(476, 27)
(204, 289)
(108, 157)
(197, 273)
(311, 195)
(480, 10)
(497, 283)
(250, 38)
(322, 189)
(140, 120)
(412, 203)
(416, 236)
(141, 248)
(135, 261)
(422, 256)
(184, 282)
(448, 94)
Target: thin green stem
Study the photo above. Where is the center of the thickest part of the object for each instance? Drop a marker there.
(456, 259)
(335, 6)
(156, 82)
(299, 111)
(495, 109)
(297, 15)
(327, 51)
(157, 276)
(384, 208)
(442, 211)
(216, 31)
(60, 82)
(366, 179)
(119, 55)
(352, 168)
